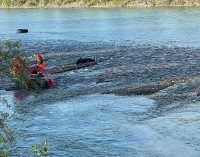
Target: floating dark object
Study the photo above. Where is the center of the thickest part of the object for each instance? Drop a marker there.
(22, 31)
(85, 60)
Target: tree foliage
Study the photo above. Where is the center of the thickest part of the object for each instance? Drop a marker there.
(6, 133)
(8, 50)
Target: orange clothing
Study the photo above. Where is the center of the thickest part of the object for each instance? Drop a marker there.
(18, 66)
(40, 63)
(22, 74)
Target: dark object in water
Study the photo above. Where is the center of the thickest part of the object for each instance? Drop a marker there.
(85, 60)
(22, 31)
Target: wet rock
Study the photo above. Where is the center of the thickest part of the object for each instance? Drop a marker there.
(85, 60)
(22, 30)
(102, 80)
(144, 89)
(198, 94)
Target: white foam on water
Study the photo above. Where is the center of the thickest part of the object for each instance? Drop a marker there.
(109, 125)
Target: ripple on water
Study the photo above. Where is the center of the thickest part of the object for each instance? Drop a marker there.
(109, 125)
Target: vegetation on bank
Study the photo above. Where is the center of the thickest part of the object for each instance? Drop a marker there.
(91, 3)
(6, 133)
(8, 51)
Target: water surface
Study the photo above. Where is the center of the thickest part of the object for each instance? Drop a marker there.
(107, 125)
(158, 25)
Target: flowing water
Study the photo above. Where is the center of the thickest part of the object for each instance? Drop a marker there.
(107, 125)
(101, 124)
(180, 25)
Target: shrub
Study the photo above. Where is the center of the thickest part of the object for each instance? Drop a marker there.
(9, 50)
(6, 134)
(6, 2)
(32, 2)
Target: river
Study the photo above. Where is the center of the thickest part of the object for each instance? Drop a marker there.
(179, 25)
(75, 117)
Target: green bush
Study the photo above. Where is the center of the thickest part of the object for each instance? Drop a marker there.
(20, 2)
(6, 134)
(32, 2)
(9, 50)
(39, 149)
(6, 2)
(68, 1)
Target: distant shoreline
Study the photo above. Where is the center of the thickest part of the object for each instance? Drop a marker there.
(107, 5)
(96, 7)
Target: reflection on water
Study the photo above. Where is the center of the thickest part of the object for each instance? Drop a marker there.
(108, 125)
(156, 25)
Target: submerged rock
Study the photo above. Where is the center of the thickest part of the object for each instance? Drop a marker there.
(144, 89)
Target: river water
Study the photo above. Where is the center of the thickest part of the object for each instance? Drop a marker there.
(106, 125)
(94, 124)
(179, 25)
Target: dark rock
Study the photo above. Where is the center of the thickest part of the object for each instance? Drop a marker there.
(103, 80)
(22, 31)
(85, 60)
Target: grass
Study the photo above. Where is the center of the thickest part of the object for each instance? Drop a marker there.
(124, 3)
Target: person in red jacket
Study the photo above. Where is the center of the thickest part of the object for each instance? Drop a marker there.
(31, 77)
(40, 64)
(41, 68)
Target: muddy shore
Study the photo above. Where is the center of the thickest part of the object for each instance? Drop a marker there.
(167, 74)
